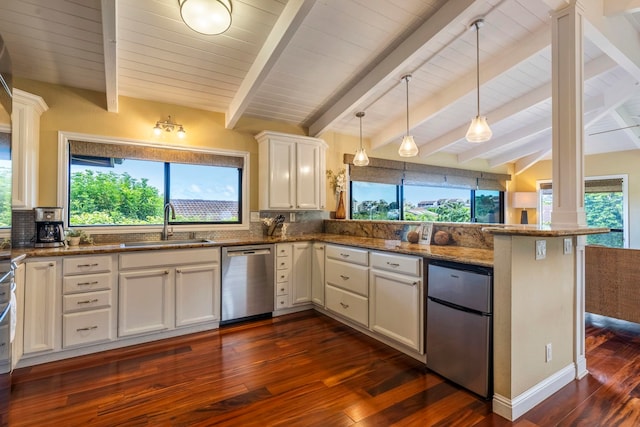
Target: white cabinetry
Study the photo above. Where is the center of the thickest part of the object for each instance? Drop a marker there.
(25, 137)
(347, 283)
(293, 274)
(396, 301)
(88, 288)
(40, 302)
(17, 348)
(291, 172)
(160, 290)
(317, 274)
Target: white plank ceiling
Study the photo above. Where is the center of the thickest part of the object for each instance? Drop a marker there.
(315, 63)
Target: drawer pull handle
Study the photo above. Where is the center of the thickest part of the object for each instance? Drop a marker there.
(344, 277)
(51, 264)
(344, 255)
(344, 305)
(166, 272)
(88, 283)
(281, 289)
(95, 264)
(89, 301)
(282, 263)
(281, 302)
(88, 328)
(393, 264)
(455, 276)
(414, 284)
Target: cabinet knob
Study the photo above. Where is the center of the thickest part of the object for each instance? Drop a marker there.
(51, 264)
(166, 272)
(178, 271)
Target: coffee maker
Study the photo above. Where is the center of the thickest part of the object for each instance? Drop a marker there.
(49, 227)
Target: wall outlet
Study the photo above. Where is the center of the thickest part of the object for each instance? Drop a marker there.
(255, 216)
(541, 249)
(568, 246)
(547, 353)
(292, 217)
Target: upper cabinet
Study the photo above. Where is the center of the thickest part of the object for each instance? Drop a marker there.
(25, 136)
(292, 170)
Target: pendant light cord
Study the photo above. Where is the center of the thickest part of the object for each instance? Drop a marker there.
(478, 65)
(406, 78)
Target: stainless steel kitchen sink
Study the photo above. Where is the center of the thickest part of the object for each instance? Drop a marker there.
(163, 243)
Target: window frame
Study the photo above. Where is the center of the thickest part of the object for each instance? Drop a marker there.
(625, 200)
(5, 232)
(63, 180)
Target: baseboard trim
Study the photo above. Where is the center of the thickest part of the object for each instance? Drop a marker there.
(512, 409)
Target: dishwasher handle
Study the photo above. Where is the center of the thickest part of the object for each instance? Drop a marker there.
(249, 252)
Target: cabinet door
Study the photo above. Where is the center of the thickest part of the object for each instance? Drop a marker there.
(308, 177)
(18, 342)
(301, 273)
(145, 301)
(317, 274)
(39, 306)
(282, 177)
(197, 294)
(396, 307)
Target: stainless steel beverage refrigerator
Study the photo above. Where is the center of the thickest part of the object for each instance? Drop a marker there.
(7, 285)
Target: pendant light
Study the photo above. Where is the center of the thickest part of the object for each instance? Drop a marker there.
(408, 147)
(361, 158)
(479, 130)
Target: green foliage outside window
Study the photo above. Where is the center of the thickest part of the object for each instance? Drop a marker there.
(605, 210)
(5, 197)
(109, 198)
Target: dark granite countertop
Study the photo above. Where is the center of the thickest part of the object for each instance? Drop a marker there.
(483, 257)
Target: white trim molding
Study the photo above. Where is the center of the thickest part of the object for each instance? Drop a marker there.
(513, 409)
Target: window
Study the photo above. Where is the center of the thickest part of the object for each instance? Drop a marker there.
(376, 201)
(5, 180)
(604, 206)
(115, 184)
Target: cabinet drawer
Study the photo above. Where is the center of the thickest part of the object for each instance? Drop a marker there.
(282, 301)
(282, 288)
(283, 250)
(283, 275)
(403, 264)
(83, 265)
(354, 278)
(351, 306)
(86, 301)
(283, 263)
(84, 283)
(87, 327)
(352, 255)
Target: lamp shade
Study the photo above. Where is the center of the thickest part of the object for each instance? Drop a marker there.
(479, 130)
(408, 147)
(525, 200)
(208, 17)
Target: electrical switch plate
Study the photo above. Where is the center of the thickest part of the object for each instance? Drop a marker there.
(292, 217)
(547, 353)
(541, 249)
(567, 246)
(255, 216)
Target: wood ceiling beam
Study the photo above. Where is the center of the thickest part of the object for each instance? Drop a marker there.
(622, 117)
(283, 31)
(526, 162)
(490, 69)
(109, 44)
(452, 13)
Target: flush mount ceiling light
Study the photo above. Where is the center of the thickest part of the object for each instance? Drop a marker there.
(208, 17)
(361, 158)
(168, 126)
(479, 130)
(408, 147)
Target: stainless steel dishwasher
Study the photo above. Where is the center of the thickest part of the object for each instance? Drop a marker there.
(459, 324)
(247, 282)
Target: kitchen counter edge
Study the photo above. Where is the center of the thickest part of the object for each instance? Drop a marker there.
(481, 257)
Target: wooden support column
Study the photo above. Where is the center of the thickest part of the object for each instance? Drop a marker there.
(568, 148)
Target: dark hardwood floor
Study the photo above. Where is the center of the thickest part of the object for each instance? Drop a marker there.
(305, 369)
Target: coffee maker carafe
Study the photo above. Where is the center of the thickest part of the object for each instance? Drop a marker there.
(49, 227)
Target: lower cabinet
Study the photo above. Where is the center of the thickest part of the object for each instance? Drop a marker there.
(317, 274)
(162, 290)
(293, 274)
(40, 301)
(17, 349)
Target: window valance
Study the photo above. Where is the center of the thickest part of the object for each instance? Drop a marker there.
(142, 152)
(396, 172)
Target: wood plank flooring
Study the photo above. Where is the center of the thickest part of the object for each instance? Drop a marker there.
(305, 369)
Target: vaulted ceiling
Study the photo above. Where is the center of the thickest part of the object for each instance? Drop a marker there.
(315, 63)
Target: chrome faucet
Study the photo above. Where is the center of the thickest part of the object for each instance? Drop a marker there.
(165, 231)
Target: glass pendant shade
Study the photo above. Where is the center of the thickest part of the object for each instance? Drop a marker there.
(361, 158)
(479, 130)
(408, 147)
(208, 17)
